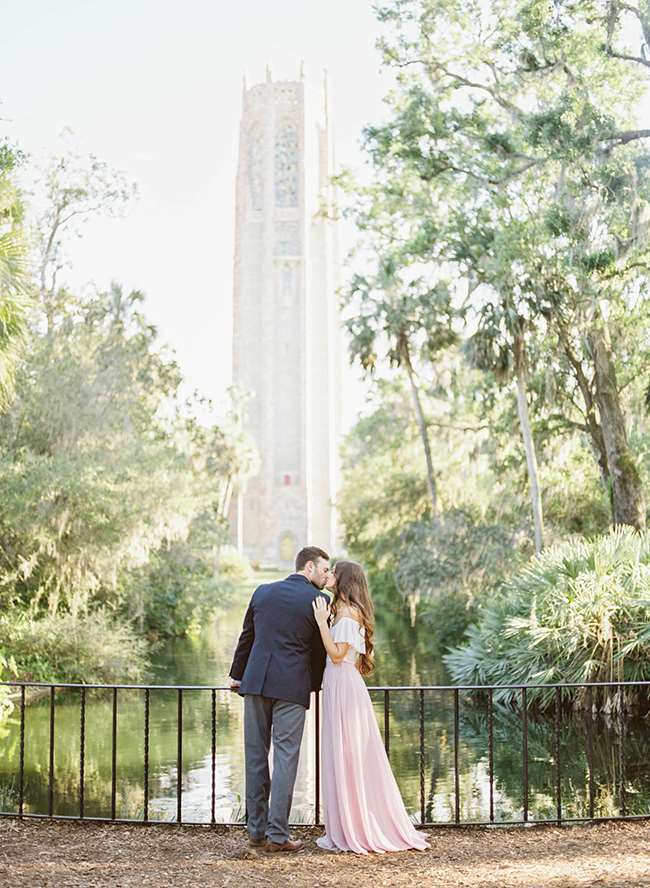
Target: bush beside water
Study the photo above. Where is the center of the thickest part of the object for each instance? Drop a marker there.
(578, 612)
(92, 648)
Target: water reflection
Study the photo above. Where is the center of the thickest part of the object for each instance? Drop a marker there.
(423, 764)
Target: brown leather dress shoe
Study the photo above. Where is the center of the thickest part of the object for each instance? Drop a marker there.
(288, 846)
(256, 843)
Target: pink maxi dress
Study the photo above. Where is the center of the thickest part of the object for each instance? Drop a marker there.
(364, 810)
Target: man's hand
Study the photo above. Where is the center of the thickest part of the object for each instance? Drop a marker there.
(234, 685)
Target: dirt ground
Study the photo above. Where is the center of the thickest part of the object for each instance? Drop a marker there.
(39, 853)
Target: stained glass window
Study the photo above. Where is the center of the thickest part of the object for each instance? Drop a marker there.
(287, 242)
(286, 167)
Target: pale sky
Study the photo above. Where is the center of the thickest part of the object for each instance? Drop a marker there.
(154, 88)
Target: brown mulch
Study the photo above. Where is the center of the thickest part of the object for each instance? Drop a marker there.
(41, 853)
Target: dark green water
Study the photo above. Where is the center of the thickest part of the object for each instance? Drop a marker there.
(404, 657)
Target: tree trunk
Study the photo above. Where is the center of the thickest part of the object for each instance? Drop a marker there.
(529, 444)
(591, 421)
(224, 506)
(422, 426)
(627, 489)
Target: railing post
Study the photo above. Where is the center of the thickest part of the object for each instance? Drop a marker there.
(387, 723)
(317, 756)
(524, 751)
(456, 754)
(50, 805)
(213, 754)
(491, 752)
(21, 760)
(621, 747)
(179, 757)
(114, 755)
(422, 796)
(590, 751)
(558, 763)
(82, 750)
(145, 814)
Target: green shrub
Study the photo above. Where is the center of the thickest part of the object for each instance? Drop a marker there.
(7, 672)
(447, 566)
(233, 567)
(578, 612)
(90, 648)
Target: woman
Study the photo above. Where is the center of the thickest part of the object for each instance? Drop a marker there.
(363, 807)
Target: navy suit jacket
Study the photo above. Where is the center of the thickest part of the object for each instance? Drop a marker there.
(280, 652)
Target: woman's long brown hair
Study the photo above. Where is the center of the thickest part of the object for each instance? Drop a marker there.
(352, 589)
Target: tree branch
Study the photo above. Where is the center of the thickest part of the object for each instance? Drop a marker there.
(463, 81)
(457, 428)
(628, 135)
(628, 58)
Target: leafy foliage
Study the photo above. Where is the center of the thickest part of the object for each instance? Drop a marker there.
(578, 612)
(14, 277)
(511, 165)
(94, 648)
(113, 495)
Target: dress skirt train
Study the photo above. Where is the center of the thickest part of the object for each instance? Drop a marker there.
(364, 810)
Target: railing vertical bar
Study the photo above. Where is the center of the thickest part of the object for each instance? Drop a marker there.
(82, 751)
(21, 760)
(179, 758)
(387, 722)
(317, 757)
(590, 751)
(114, 755)
(147, 704)
(50, 804)
(524, 752)
(558, 763)
(491, 752)
(213, 793)
(422, 799)
(456, 755)
(621, 747)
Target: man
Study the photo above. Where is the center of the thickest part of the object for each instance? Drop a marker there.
(278, 662)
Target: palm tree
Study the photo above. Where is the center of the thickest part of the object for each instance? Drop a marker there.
(13, 285)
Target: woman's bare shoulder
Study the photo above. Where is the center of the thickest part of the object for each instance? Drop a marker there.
(349, 610)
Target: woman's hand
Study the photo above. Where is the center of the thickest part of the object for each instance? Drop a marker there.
(321, 610)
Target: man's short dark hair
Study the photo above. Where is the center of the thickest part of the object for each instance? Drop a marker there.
(310, 553)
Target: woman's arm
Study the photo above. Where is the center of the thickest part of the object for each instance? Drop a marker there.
(336, 651)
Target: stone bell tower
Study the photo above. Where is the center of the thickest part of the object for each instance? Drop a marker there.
(286, 333)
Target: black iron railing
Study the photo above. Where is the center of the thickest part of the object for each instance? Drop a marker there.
(483, 697)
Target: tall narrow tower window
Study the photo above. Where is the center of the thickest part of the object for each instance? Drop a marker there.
(286, 167)
(256, 167)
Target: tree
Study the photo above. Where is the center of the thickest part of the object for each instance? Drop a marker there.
(510, 124)
(103, 468)
(74, 189)
(407, 319)
(498, 345)
(14, 274)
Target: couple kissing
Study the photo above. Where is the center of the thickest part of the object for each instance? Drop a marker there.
(295, 639)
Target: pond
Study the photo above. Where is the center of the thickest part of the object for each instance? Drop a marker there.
(423, 762)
